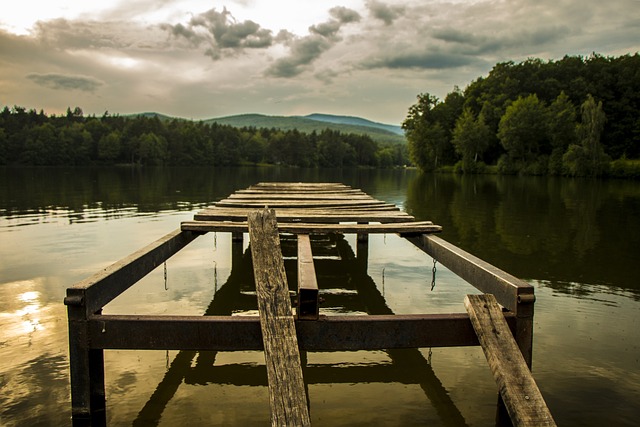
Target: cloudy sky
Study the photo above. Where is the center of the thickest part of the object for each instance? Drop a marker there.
(203, 59)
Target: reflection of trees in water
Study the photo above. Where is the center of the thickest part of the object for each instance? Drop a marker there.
(554, 229)
(530, 218)
(151, 189)
(584, 198)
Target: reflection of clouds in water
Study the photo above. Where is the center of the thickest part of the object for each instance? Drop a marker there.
(31, 389)
(20, 313)
(403, 274)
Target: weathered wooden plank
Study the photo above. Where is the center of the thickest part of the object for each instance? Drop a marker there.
(293, 191)
(310, 228)
(518, 389)
(287, 394)
(309, 185)
(302, 215)
(242, 333)
(307, 282)
(298, 196)
(256, 204)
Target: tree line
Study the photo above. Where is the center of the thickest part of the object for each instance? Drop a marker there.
(28, 137)
(577, 116)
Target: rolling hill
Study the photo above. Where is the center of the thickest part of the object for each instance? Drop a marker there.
(379, 132)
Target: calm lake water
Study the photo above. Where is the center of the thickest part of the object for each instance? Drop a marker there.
(576, 241)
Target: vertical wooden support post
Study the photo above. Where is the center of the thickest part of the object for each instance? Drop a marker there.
(236, 250)
(308, 308)
(88, 407)
(362, 249)
(524, 326)
(287, 395)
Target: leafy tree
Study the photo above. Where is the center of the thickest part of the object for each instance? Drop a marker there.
(255, 148)
(109, 146)
(470, 138)
(153, 149)
(562, 130)
(588, 158)
(3, 147)
(74, 145)
(522, 129)
(426, 137)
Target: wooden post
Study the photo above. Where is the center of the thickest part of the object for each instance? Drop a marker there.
(86, 370)
(307, 282)
(517, 387)
(287, 394)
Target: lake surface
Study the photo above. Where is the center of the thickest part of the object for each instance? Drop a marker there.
(576, 241)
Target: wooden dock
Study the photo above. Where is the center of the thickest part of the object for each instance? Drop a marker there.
(501, 320)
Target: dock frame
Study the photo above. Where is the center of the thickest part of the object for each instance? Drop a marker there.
(301, 210)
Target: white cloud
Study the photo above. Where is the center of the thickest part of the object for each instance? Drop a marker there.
(359, 57)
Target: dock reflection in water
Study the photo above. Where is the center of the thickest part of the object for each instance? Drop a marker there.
(348, 290)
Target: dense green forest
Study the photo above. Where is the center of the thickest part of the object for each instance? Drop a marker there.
(577, 116)
(34, 138)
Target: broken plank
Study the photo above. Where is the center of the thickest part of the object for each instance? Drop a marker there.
(308, 307)
(287, 394)
(518, 389)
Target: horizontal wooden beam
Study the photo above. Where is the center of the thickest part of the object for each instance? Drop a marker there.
(508, 289)
(241, 333)
(307, 215)
(518, 389)
(303, 204)
(311, 228)
(277, 196)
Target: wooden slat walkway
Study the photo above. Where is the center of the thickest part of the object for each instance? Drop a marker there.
(309, 208)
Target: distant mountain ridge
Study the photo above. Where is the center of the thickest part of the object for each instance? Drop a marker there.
(379, 132)
(351, 120)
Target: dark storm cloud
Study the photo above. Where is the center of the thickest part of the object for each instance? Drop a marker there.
(305, 50)
(66, 82)
(473, 44)
(384, 12)
(419, 60)
(222, 32)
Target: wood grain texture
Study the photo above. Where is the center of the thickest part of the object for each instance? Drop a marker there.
(287, 394)
(310, 228)
(518, 389)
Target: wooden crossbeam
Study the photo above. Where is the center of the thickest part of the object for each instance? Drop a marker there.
(287, 394)
(312, 228)
(308, 307)
(518, 389)
(304, 215)
(256, 204)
